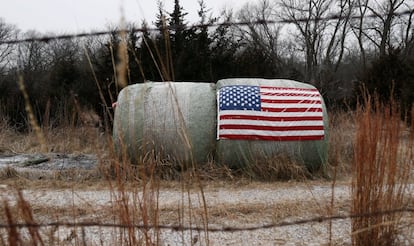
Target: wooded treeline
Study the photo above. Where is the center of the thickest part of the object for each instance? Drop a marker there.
(336, 45)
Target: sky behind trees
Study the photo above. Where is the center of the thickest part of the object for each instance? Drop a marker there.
(83, 15)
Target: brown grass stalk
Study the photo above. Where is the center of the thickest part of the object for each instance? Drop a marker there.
(122, 66)
(27, 215)
(111, 50)
(101, 95)
(379, 183)
(139, 63)
(32, 120)
(155, 61)
(13, 235)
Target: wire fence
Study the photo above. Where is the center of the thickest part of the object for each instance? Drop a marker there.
(319, 219)
(148, 29)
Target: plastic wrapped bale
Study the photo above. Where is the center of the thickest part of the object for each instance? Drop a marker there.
(260, 119)
(176, 120)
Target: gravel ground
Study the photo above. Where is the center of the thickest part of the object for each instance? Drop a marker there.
(265, 197)
(228, 205)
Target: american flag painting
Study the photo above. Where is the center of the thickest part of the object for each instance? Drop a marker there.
(269, 113)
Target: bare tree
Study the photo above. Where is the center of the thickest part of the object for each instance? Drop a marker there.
(357, 28)
(322, 40)
(63, 57)
(407, 29)
(381, 27)
(7, 32)
(260, 32)
(385, 12)
(336, 40)
(33, 62)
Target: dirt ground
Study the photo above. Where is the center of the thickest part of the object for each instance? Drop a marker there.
(238, 212)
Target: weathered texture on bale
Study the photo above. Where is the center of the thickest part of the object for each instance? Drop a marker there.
(176, 120)
(240, 153)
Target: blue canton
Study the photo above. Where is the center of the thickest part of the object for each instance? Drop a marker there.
(240, 97)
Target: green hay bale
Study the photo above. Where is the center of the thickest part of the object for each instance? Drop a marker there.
(241, 153)
(176, 120)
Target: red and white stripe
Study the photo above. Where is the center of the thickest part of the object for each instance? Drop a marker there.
(288, 114)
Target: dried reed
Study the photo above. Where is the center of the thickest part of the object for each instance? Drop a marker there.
(380, 168)
(30, 114)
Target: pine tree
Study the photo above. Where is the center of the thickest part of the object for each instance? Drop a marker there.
(160, 47)
(178, 38)
(197, 54)
(161, 19)
(177, 26)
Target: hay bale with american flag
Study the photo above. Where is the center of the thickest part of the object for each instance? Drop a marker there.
(258, 119)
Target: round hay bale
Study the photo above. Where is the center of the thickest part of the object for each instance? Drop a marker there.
(273, 131)
(176, 120)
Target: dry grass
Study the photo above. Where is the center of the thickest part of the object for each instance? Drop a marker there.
(277, 168)
(67, 138)
(381, 172)
(341, 139)
(32, 120)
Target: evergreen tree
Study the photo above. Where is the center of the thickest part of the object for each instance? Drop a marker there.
(135, 74)
(161, 46)
(204, 42)
(196, 58)
(161, 18)
(178, 37)
(148, 49)
(177, 26)
(223, 49)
